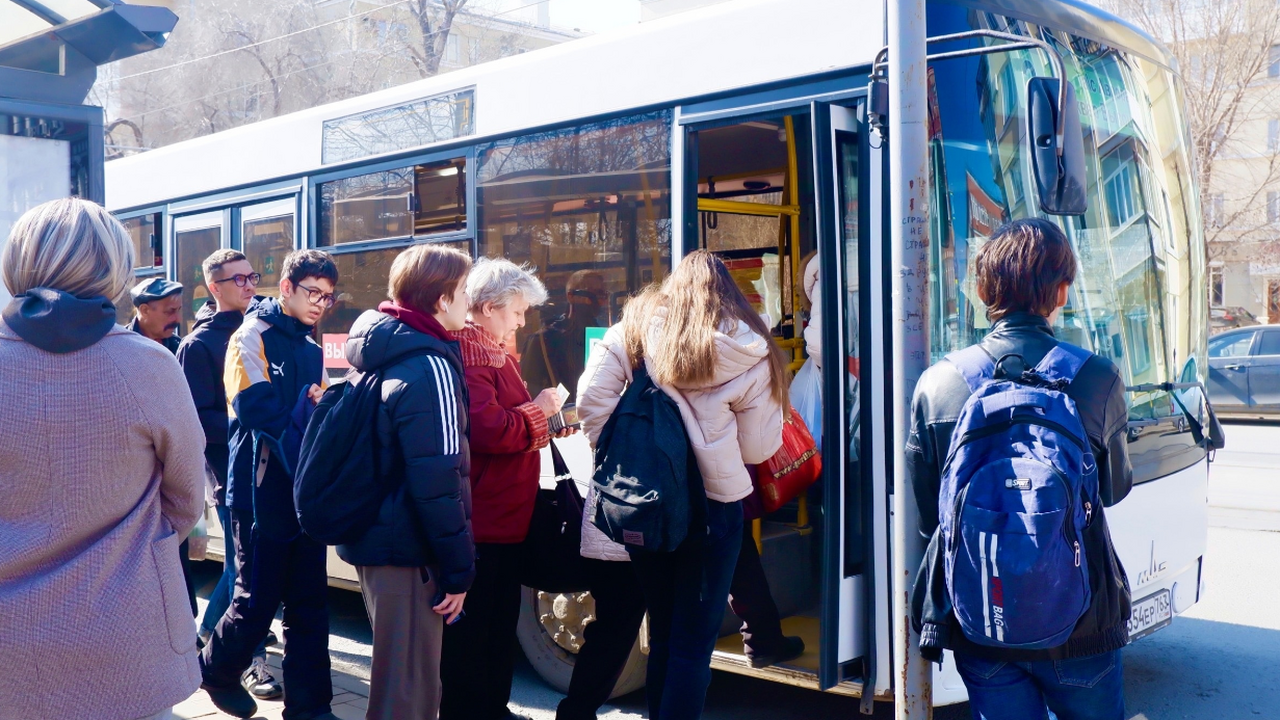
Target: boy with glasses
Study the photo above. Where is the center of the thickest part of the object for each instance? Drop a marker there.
(274, 376)
(202, 355)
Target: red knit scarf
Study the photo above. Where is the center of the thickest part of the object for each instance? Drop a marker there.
(479, 348)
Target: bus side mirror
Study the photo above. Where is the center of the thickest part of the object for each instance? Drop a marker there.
(1057, 159)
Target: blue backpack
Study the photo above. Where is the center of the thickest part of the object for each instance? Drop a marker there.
(1019, 486)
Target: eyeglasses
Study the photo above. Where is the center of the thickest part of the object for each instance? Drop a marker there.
(316, 296)
(242, 280)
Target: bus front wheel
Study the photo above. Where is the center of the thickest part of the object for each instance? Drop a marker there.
(550, 633)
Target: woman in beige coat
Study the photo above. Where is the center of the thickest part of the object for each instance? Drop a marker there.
(701, 341)
(101, 477)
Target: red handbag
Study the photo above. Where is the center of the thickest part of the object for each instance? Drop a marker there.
(792, 469)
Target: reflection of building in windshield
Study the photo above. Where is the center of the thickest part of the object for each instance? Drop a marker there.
(1133, 300)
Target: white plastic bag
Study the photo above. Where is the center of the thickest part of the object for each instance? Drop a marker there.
(806, 398)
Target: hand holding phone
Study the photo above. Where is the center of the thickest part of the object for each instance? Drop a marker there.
(449, 605)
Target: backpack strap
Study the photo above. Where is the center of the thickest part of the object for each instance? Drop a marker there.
(1063, 362)
(975, 364)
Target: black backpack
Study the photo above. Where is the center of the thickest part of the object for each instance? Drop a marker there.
(648, 492)
(339, 489)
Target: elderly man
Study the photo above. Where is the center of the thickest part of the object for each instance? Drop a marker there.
(158, 311)
(157, 314)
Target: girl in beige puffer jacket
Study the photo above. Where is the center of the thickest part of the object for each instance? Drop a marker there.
(704, 345)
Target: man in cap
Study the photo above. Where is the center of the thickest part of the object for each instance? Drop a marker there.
(158, 314)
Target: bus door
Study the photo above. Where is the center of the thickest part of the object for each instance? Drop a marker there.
(195, 237)
(771, 190)
(848, 173)
(752, 207)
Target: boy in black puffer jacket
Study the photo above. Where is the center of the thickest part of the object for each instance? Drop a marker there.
(1024, 273)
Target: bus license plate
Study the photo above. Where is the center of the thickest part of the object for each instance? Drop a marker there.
(1150, 614)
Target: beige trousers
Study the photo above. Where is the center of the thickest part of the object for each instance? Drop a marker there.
(404, 682)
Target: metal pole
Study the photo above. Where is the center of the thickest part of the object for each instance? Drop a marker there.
(909, 223)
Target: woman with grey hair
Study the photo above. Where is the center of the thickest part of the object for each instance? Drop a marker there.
(102, 475)
(508, 431)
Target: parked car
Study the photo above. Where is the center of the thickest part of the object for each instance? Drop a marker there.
(1224, 318)
(1244, 372)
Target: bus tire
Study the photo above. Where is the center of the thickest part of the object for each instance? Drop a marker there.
(565, 614)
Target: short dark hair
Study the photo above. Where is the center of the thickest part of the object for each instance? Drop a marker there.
(423, 274)
(214, 262)
(302, 264)
(1022, 266)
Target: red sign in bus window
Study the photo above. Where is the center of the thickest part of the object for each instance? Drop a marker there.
(335, 355)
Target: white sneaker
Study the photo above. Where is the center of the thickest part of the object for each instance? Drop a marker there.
(259, 681)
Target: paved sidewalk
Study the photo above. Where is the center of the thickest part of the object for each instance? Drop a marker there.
(350, 698)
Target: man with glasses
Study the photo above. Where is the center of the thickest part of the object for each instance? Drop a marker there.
(274, 376)
(232, 284)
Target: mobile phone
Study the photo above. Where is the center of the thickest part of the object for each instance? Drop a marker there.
(566, 418)
(439, 598)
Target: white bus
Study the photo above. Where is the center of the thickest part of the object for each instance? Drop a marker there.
(749, 128)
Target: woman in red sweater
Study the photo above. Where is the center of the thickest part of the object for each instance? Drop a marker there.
(508, 429)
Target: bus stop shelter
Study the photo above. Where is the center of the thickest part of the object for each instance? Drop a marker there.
(51, 143)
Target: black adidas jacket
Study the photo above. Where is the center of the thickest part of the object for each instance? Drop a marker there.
(1099, 394)
(425, 520)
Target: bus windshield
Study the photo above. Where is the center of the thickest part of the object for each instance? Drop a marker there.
(1139, 296)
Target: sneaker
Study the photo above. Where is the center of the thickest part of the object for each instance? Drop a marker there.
(792, 648)
(234, 700)
(259, 681)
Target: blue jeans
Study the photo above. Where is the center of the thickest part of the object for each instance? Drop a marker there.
(222, 593)
(686, 591)
(220, 598)
(1087, 688)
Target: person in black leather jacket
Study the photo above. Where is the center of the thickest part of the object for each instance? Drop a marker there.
(417, 562)
(1024, 273)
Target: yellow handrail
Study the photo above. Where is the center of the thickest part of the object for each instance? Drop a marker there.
(734, 207)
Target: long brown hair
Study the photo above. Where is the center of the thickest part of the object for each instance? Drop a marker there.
(700, 295)
(636, 315)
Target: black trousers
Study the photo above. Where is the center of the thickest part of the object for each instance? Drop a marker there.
(751, 600)
(271, 572)
(607, 640)
(185, 560)
(478, 653)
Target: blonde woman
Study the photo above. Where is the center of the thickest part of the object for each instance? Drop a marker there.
(102, 475)
(704, 345)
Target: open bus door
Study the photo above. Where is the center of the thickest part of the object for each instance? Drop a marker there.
(770, 190)
(848, 172)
